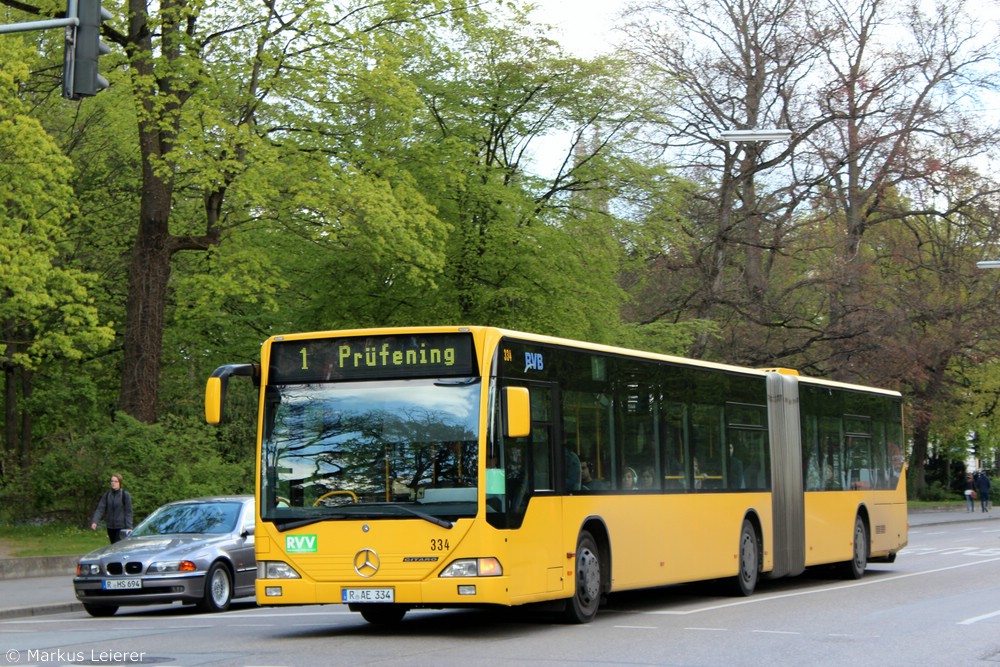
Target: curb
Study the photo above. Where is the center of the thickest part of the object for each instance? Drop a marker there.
(41, 610)
(40, 566)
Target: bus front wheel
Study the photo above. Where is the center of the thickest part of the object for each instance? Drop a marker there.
(582, 607)
(382, 614)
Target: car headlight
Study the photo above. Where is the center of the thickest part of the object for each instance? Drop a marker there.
(473, 567)
(87, 569)
(276, 569)
(172, 566)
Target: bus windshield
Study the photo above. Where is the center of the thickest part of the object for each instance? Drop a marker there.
(386, 449)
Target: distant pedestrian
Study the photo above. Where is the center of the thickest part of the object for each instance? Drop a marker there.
(983, 488)
(115, 506)
(970, 493)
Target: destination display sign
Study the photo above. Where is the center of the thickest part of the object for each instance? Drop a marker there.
(372, 357)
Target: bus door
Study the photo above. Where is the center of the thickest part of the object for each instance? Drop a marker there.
(533, 468)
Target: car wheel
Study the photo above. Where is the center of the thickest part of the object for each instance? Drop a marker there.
(218, 589)
(100, 610)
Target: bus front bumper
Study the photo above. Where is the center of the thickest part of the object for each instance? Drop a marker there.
(441, 592)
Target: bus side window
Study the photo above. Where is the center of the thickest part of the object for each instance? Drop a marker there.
(516, 479)
(542, 462)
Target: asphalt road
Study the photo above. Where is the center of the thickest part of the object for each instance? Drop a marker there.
(938, 604)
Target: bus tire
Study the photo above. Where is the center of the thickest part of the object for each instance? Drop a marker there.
(855, 568)
(746, 578)
(382, 614)
(582, 607)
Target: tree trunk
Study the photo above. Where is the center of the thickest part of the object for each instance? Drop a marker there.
(149, 274)
(27, 422)
(10, 444)
(921, 433)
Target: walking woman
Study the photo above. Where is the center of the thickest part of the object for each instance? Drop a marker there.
(115, 507)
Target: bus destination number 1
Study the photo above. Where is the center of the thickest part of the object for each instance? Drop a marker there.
(363, 595)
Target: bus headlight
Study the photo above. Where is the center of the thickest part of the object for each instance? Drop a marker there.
(473, 567)
(276, 569)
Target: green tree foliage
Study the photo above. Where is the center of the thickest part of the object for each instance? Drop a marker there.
(47, 314)
(983, 420)
(174, 458)
(463, 117)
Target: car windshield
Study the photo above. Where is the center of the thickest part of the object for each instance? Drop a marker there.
(208, 517)
(387, 448)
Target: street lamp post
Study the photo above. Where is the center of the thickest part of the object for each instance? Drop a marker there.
(755, 135)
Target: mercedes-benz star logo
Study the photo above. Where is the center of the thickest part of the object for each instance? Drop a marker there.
(366, 563)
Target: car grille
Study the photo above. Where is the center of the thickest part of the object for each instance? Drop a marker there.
(124, 568)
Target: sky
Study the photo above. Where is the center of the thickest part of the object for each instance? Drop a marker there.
(582, 26)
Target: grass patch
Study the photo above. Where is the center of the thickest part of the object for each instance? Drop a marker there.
(49, 540)
(936, 504)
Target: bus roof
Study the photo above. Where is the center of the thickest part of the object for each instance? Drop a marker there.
(497, 332)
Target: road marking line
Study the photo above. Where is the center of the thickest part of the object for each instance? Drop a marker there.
(826, 589)
(976, 619)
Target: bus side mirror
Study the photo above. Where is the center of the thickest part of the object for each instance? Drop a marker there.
(517, 408)
(215, 388)
(213, 400)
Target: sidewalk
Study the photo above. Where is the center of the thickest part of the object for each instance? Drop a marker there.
(31, 588)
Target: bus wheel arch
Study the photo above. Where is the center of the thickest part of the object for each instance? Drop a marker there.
(750, 556)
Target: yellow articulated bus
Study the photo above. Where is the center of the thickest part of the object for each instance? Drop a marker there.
(462, 466)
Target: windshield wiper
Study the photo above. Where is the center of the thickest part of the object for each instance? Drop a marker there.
(292, 524)
(456, 382)
(423, 515)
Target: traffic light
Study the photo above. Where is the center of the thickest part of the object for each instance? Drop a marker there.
(83, 48)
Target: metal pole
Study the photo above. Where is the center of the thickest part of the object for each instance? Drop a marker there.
(40, 25)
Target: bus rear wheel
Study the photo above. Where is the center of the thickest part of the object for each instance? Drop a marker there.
(749, 554)
(855, 568)
(582, 607)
